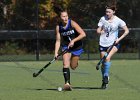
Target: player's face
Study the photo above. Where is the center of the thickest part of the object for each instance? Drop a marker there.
(64, 17)
(109, 13)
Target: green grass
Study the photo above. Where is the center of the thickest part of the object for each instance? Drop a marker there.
(17, 83)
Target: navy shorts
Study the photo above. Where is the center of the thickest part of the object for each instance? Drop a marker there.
(77, 52)
(104, 49)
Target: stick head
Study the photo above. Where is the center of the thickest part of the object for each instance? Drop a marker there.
(97, 67)
(34, 75)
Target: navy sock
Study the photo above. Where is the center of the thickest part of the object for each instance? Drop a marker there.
(66, 74)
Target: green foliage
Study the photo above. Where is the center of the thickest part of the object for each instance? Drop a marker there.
(91, 46)
(86, 13)
(11, 48)
(7, 2)
(8, 48)
(23, 16)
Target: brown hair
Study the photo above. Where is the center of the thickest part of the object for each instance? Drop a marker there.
(111, 4)
(58, 9)
(113, 7)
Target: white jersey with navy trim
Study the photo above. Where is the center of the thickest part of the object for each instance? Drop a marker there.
(110, 30)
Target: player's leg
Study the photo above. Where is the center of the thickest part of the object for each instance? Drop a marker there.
(75, 58)
(70, 59)
(102, 53)
(74, 62)
(106, 68)
(66, 71)
(66, 64)
(107, 62)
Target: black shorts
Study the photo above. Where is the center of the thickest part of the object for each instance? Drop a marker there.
(104, 49)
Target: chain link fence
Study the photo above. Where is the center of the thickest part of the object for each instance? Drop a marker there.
(22, 45)
(26, 28)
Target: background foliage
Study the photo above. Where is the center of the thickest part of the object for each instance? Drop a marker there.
(22, 15)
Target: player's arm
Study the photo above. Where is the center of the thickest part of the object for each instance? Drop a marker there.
(80, 31)
(100, 30)
(126, 31)
(57, 43)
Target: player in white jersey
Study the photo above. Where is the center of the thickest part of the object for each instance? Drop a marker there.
(108, 28)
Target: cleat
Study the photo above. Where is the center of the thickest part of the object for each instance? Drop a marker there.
(106, 79)
(105, 82)
(104, 86)
(67, 87)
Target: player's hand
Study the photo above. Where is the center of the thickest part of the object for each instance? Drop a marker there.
(102, 31)
(117, 41)
(71, 44)
(56, 56)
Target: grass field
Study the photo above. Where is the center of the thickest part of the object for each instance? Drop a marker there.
(17, 83)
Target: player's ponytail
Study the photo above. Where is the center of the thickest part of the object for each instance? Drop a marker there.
(58, 9)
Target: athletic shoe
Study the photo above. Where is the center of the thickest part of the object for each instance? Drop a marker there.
(104, 86)
(67, 87)
(106, 79)
(105, 82)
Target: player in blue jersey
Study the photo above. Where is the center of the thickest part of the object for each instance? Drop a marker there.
(69, 35)
(108, 28)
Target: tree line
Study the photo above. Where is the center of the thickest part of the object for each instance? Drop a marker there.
(34, 14)
(22, 14)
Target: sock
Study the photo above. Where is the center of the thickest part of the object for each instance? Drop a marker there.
(106, 68)
(66, 74)
(102, 70)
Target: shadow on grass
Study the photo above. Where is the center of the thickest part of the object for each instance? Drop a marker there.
(48, 89)
(74, 88)
(86, 88)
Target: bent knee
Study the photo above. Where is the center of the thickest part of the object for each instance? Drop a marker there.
(108, 59)
(74, 66)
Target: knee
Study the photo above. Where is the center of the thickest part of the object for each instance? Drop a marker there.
(74, 66)
(108, 59)
(66, 65)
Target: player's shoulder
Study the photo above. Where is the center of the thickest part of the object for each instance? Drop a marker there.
(57, 26)
(117, 18)
(120, 22)
(73, 23)
(103, 18)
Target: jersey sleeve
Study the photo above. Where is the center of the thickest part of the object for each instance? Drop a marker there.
(122, 23)
(100, 23)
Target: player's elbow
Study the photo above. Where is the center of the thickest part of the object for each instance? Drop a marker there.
(98, 30)
(84, 35)
(127, 32)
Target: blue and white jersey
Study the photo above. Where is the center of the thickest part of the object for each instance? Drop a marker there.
(110, 30)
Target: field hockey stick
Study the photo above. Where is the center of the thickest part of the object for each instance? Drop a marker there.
(104, 57)
(37, 73)
(63, 52)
